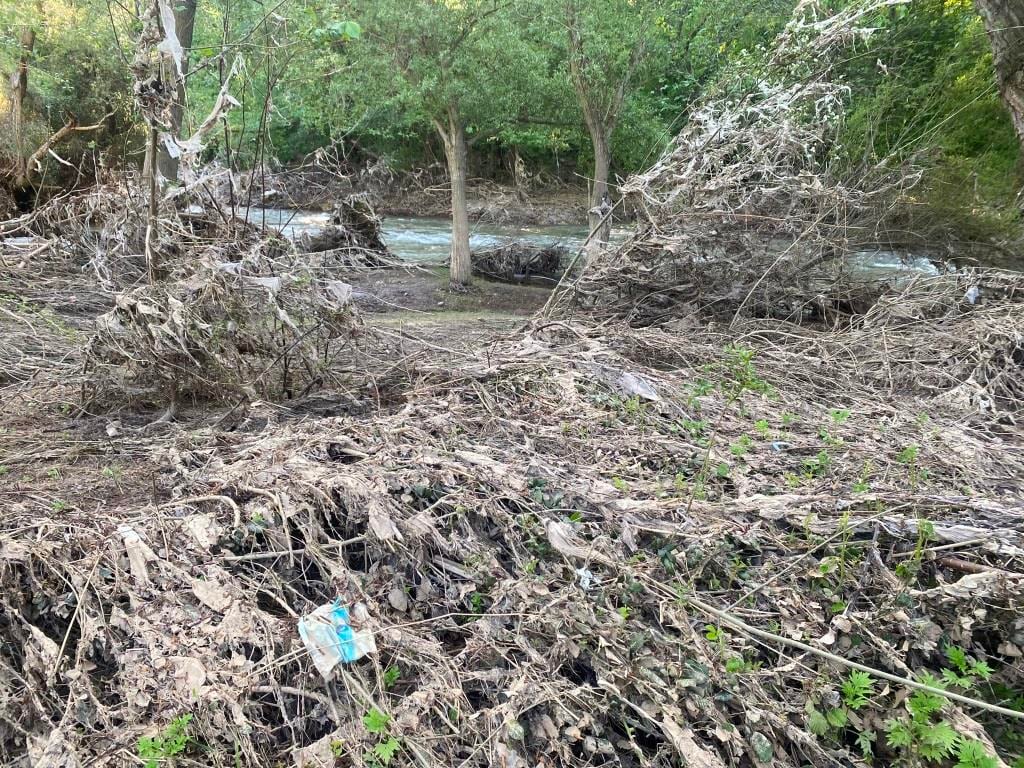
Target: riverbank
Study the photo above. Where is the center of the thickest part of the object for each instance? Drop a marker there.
(423, 193)
(541, 522)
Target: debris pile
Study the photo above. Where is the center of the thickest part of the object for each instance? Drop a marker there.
(520, 261)
(262, 326)
(744, 211)
(613, 546)
(353, 236)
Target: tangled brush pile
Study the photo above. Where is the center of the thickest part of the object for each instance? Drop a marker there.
(259, 327)
(744, 210)
(614, 547)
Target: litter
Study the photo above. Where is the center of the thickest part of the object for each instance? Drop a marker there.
(333, 637)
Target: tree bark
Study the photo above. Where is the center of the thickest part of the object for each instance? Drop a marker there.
(454, 137)
(600, 204)
(1004, 21)
(19, 89)
(184, 25)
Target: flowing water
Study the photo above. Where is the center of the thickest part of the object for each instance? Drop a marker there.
(428, 240)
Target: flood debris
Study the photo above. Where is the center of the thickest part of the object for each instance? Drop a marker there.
(744, 212)
(555, 566)
(624, 535)
(354, 232)
(517, 262)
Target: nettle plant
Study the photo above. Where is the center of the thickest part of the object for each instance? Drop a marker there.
(919, 734)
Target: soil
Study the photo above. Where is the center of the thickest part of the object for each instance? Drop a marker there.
(419, 290)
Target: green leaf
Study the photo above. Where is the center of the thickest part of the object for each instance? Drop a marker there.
(971, 753)
(376, 721)
(897, 734)
(950, 677)
(857, 688)
(386, 750)
(351, 30)
(981, 669)
(937, 741)
(957, 657)
(866, 741)
(392, 675)
(817, 723)
(836, 718)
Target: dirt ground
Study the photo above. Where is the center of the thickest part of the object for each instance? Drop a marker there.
(425, 289)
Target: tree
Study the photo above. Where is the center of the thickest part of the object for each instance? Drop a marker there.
(184, 25)
(456, 66)
(606, 43)
(1004, 21)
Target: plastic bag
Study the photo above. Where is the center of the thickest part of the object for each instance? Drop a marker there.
(329, 635)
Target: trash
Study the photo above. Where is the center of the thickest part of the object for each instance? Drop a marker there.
(632, 385)
(586, 578)
(333, 637)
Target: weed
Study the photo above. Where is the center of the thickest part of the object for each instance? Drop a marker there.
(909, 455)
(620, 484)
(967, 670)
(741, 446)
(788, 419)
(170, 743)
(762, 428)
(839, 415)
(857, 688)
(540, 493)
(908, 569)
(972, 754)
(59, 505)
(476, 600)
(392, 675)
(378, 724)
(623, 611)
(53, 473)
(918, 734)
(737, 664)
(819, 465)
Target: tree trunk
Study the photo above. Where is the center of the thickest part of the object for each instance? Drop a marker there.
(1004, 20)
(454, 138)
(19, 89)
(184, 25)
(600, 204)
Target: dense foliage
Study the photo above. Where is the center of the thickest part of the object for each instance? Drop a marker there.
(922, 85)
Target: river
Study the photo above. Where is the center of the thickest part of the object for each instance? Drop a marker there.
(428, 240)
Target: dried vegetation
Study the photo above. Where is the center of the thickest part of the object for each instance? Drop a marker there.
(579, 544)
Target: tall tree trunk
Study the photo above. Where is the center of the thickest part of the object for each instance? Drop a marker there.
(19, 89)
(184, 24)
(600, 204)
(1004, 21)
(454, 137)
